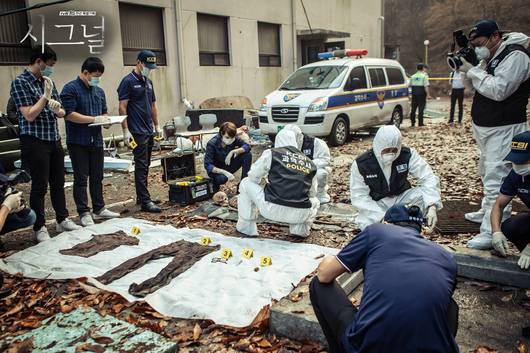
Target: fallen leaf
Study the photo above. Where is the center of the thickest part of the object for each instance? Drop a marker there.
(14, 310)
(87, 347)
(65, 309)
(197, 331)
(484, 349)
(521, 347)
(507, 298)
(25, 346)
(264, 343)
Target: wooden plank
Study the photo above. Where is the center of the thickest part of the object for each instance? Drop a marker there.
(483, 266)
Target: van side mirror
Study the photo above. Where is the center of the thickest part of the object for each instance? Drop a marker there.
(352, 84)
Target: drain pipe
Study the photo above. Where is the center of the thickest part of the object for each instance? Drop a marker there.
(180, 51)
(294, 39)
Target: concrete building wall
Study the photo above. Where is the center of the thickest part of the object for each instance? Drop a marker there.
(186, 78)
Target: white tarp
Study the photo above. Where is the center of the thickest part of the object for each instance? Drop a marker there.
(229, 294)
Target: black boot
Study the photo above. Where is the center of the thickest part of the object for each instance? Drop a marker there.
(151, 207)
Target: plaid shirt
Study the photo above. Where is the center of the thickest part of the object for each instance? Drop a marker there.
(77, 97)
(26, 90)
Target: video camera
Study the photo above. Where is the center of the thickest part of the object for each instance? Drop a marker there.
(10, 181)
(454, 58)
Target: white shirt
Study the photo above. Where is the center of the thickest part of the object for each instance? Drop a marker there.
(457, 81)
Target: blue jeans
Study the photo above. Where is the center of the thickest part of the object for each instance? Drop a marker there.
(243, 161)
(22, 219)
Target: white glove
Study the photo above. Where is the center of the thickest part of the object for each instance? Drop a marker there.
(500, 243)
(524, 259)
(229, 157)
(126, 135)
(13, 202)
(432, 218)
(48, 87)
(54, 105)
(465, 65)
(227, 174)
(101, 119)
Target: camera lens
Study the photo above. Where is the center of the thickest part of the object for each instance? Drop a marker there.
(453, 62)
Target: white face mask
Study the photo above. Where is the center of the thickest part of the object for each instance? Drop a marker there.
(228, 141)
(482, 53)
(521, 169)
(145, 72)
(388, 158)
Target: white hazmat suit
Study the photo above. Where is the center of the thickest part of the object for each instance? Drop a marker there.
(495, 142)
(251, 199)
(426, 194)
(321, 158)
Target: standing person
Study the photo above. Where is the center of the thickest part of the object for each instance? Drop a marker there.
(398, 264)
(85, 103)
(502, 88)
(457, 94)
(38, 108)
(517, 183)
(225, 154)
(138, 102)
(419, 83)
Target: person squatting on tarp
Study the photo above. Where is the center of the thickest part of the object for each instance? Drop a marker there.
(379, 179)
(318, 151)
(517, 183)
(289, 192)
(225, 154)
(407, 303)
(502, 86)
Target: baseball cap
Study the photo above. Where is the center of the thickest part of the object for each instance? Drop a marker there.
(484, 28)
(520, 152)
(402, 213)
(148, 58)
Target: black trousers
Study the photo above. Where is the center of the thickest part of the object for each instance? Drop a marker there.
(335, 312)
(517, 230)
(418, 102)
(46, 163)
(142, 160)
(457, 94)
(87, 163)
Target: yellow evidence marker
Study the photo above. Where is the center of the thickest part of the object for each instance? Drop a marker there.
(265, 261)
(135, 230)
(206, 241)
(226, 253)
(248, 253)
(132, 144)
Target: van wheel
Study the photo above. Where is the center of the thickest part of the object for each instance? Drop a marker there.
(339, 132)
(397, 117)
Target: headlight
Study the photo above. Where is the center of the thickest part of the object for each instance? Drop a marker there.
(263, 105)
(318, 105)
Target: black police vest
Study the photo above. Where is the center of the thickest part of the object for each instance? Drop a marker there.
(290, 178)
(308, 146)
(487, 112)
(375, 178)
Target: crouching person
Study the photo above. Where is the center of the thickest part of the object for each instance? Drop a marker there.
(289, 192)
(407, 301)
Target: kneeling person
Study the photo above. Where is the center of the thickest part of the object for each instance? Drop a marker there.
(226, 154)
(408, 284)
(517, 183)
(318, 151)
(289, 193)
(84, 102)
(379, 179)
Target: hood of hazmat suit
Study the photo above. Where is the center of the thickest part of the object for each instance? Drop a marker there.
(387, 136)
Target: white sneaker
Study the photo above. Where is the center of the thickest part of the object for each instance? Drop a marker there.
(86, 219)
(475, 217)
(105, 214)
(42, 234)
(66, 225)
(480, 242)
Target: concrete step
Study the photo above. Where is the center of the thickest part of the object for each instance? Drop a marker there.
(6, 134)
(9, 145)
(293, 316)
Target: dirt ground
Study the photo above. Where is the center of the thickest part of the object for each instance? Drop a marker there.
(490, 316)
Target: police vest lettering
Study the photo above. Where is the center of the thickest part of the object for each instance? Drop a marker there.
(375, 179)
(487, 112)
(308, 146)
(290, 178)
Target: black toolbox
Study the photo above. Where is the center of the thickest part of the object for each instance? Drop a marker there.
(185, 187)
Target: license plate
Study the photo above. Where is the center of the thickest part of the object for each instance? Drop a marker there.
(279, 128)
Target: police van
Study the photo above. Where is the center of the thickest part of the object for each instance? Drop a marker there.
(341, 94)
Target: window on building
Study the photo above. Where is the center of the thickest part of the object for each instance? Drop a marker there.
(377, 77)
(269, 44)
(395, 76)
(358, 72)
(142, 27)
(13, 29)
(213, 40)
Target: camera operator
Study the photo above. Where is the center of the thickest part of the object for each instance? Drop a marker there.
(502, 84)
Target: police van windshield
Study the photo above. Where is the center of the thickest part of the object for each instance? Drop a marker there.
(315, 77)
